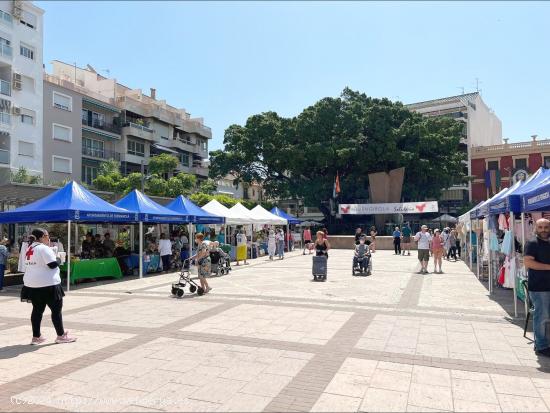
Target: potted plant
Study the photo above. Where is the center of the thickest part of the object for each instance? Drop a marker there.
(13, 264)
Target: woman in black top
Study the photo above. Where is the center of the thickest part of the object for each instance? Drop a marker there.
(321, 245)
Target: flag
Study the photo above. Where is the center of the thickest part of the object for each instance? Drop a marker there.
(336, 190)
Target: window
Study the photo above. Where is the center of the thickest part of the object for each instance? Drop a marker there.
(89, 173)
(28, 119)
(184, 159)
(26, 51)
(62, 133)
(27, 84)
(5, 47)
(26, 149)
(6, 18)
(5, 117)
(136, 148)
(93, 147)
(546, 162)
(521, 163)
(61, 101)
(492, 166)
(28, 19)
(61, 164)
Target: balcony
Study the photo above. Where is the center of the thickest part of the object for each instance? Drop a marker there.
(199, 170)
(107, 127)
(6, 50)
(139, 131)
(5, 87)
(4, 156)
(100, 153)
(198, 128)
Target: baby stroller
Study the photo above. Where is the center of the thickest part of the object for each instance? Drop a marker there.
(220, 263)
(185, 280)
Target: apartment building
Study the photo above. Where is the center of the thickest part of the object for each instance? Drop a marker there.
(21, 44)
(481, 128)
(498, 166)
(117, 122)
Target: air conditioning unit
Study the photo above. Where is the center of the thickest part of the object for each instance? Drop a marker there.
(16, 110)
(17, 81)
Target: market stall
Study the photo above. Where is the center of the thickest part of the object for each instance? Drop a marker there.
(146, 210)
(290, 219)
(72, 204)
(95, 268)
(198, 215)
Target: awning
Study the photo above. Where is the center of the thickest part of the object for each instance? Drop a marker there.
(164, 148)
(100, 104)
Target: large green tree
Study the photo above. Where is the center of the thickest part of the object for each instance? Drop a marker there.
(353, 135)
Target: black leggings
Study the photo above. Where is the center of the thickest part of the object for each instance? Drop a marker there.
(397, 245)
(38, 308)
(165, 262)
(452, 252)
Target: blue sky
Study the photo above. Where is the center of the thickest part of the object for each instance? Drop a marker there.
(225, 61)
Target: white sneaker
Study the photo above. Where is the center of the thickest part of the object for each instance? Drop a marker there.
(65, 338)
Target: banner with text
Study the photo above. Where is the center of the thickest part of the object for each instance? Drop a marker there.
(397, 208)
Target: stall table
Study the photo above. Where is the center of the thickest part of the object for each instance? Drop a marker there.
(95, 268)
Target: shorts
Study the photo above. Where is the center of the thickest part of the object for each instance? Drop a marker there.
(438, 253)
(406, 240)
(423, 255)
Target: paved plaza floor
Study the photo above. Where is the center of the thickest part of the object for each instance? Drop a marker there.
(268, 338)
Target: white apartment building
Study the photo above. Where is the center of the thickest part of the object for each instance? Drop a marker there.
(21, 68)
(482, 127)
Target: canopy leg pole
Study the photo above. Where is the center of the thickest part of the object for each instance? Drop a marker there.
(189, 239)
(470, 252)
(288, 236)
(140, 249)
(523, 233)
(477, 253)
(68, 255)
(513, 257)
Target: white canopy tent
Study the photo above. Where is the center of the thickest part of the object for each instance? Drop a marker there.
(267, 217)
(239, 214)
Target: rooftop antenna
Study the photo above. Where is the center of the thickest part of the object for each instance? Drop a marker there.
(461, 88)
(478, 82)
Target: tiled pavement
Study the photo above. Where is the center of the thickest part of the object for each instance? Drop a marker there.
(267, 338)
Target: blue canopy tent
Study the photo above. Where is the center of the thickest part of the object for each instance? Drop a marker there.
(514, 199)
(290, 219)
(147, 210)
(280, 213)
(499, 203)
(72, 203)
(184, 206)
(538, 198)
(198, 215)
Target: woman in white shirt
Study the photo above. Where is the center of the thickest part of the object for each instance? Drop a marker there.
(165, 250)
(42, 286)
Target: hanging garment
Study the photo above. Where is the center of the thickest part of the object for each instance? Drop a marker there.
(501, 275)
(510, 276)
(507, 243)
(493, 242)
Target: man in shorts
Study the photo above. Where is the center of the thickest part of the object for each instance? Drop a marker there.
(423, 239)
(406, 232)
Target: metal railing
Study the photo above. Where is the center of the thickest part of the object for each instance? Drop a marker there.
(4, 156)
(138, 126)
(5, 87)
(109, 127)
(6, 50)
(100, 153)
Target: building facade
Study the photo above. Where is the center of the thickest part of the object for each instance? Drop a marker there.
(481, 128)
(116, 122)
(21, 66)
(495, 166)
